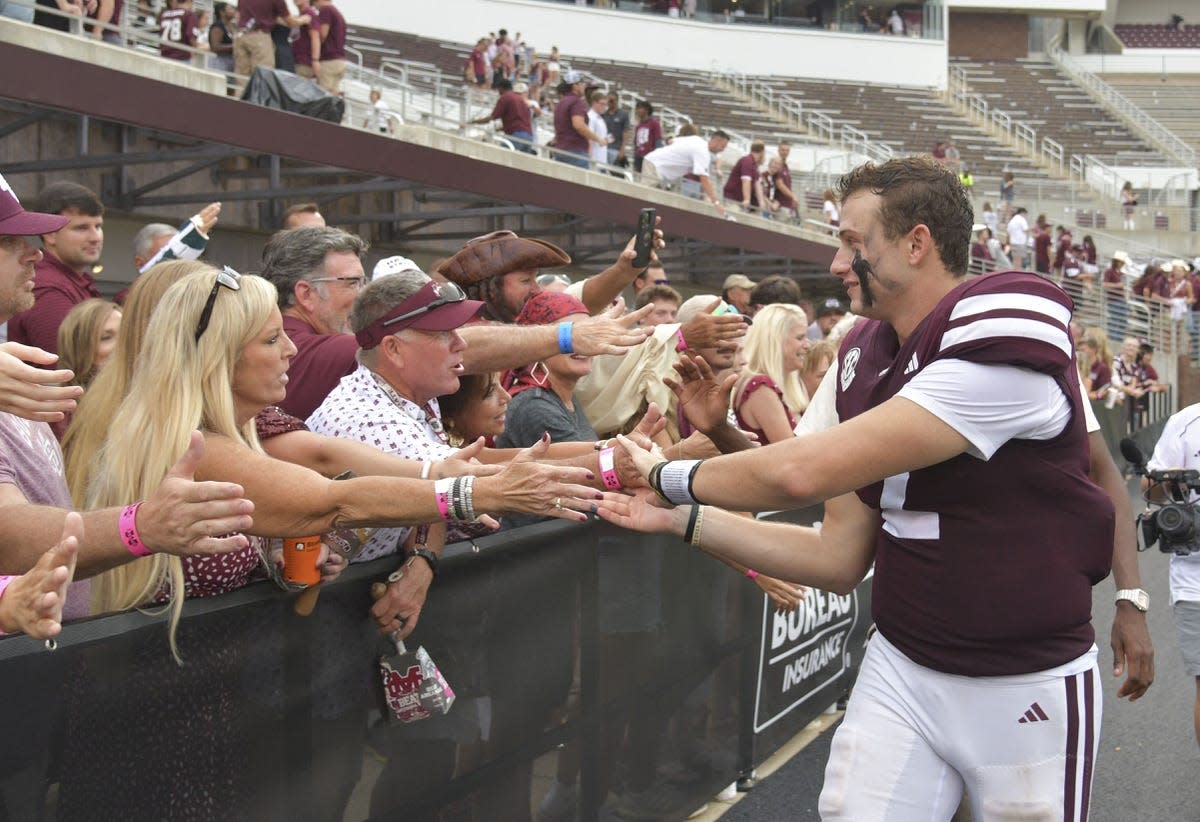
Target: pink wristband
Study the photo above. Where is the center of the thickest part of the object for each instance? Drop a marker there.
(442, 490)
(751, 573)
(608, 470)
(129, 532)
(682, 344)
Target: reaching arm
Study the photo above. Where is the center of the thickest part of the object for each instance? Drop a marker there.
(601, 289)
(711, 193)
(1130, 638)
(495, 347)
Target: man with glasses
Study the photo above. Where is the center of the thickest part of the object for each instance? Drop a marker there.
(319, 272)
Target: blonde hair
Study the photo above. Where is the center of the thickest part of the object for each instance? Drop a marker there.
(764, 352)
(98, 408)
(79, 337)
(178, 384)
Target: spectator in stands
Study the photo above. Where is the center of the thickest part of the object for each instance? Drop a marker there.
(1129, 203)
(619, 129)
(1113, 283)
(981, 255)
(103, 11)
(87, 339)
(690, 154)
(158, 242)
(175, 517)
(1018, 238)
(829, 314)
(996, 250)
(177, 27)
(966, 180)
(988, 215)
(597, 105)
(820, 356)
(1008, 193)
(743, 184)
(1089, 250)
(829, 208)
(951, 159)
(1147, 373)
(477, 409)
(1179, 293)
(380, 118)
(61, 21)
(306, 46)
(647, 135)
(303, 215)
(333, 48)
(781, 182)
(895, 23)
(775, 350)
(666, 302)
(939, 151)
(475, 68)
(1041, 240)
(772, 290)
(869, 21)
(513, 113)
(504, 61)
(64, 273)
(572, 136)
(252, 45)
(1126, 376)
(736, 291)
(1095, 370)
(220, 36)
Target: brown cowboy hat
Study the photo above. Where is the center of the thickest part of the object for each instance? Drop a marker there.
(499, 253)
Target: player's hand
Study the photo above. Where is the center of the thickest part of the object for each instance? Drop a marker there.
(643, 511)
(1132, 651)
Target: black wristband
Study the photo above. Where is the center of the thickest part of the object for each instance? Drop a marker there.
(428, 556)
(691, 526)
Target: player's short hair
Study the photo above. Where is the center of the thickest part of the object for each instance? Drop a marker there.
(918, 190)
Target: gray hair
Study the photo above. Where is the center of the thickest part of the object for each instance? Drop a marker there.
(384, 294)
(299, 254)
(144, 239)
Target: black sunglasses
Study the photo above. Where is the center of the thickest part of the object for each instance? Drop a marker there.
(225, 277)
(451, 293)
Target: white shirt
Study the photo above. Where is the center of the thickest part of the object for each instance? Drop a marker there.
(1179, 447)
(1018, 231)
(361, 409)
(685, 155)
(596, 123)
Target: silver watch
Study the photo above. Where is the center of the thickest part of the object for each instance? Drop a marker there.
(1139, 598)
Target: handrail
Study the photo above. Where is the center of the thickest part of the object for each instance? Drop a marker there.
(1163, 138)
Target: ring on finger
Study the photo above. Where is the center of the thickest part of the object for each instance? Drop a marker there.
(558, 503)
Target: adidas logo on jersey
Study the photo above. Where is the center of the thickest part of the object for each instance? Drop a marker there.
(1034, 714)
(912, 366)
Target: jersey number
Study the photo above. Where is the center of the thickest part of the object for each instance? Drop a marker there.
(172, 30)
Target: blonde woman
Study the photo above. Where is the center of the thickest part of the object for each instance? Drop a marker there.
(770, 397)
(87, 338)
(219, 357)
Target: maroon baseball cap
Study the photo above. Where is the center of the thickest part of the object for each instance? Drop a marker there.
(17, 222)
(434, 307)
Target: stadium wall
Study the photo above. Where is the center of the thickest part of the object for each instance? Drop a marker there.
(643, 38)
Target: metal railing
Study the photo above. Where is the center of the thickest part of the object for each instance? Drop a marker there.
(791, 111)
(1142, 123)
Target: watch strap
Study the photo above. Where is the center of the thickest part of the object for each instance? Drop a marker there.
(1137, 596)
(427, 555)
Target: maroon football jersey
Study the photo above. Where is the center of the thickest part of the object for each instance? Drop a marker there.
(984, 568)
(177, 26)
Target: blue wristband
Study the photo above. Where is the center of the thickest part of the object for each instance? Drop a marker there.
(565, 345)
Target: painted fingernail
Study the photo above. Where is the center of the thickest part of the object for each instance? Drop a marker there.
(599, 495)
(590, 475)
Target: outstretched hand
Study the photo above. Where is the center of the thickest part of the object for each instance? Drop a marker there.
(527, 486)
(785, 596)
(34, 393)
(464, 462)
(643, 458)
(609, 332)
(708, 330)
(33, 602)
(705, 402)
(641, 511)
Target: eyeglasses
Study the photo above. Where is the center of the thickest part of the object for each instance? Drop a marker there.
(450, 293)
(225, 277)
(357, 283)
(662, 282)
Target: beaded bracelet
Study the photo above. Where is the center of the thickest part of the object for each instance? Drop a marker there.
(608, 469)
(129, 532)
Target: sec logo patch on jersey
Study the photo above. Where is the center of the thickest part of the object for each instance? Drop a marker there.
(849, 363)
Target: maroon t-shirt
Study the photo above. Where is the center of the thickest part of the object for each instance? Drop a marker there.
(302, 45)
(784, 176)
(57, 290)
(513, 113)
(565, 135)
(1100, 375)
(334, 45)
(646, 136)
(1041, 252)
(990, 572)
(745, 167)
(177, 26)
(478, 62)
(260, 14)
(321, 361)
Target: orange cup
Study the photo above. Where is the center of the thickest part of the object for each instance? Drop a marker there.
(300, 555)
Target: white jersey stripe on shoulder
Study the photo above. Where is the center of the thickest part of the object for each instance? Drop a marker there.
(1012, 302)
(1008, 327)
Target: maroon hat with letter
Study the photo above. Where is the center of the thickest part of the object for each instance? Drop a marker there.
(434, 307)
(17, 222)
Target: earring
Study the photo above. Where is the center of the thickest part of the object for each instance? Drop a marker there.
(543, 378)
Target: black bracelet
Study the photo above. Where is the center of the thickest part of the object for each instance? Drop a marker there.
(428, 556)
(691, 526)
(692, 478)
(654, 480)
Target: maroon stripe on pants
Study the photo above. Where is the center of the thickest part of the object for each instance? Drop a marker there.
(1072, 747)
(1088, 744)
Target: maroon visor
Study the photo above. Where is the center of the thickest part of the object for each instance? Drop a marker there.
(435, 307)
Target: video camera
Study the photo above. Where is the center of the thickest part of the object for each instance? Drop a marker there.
(1174, 525)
